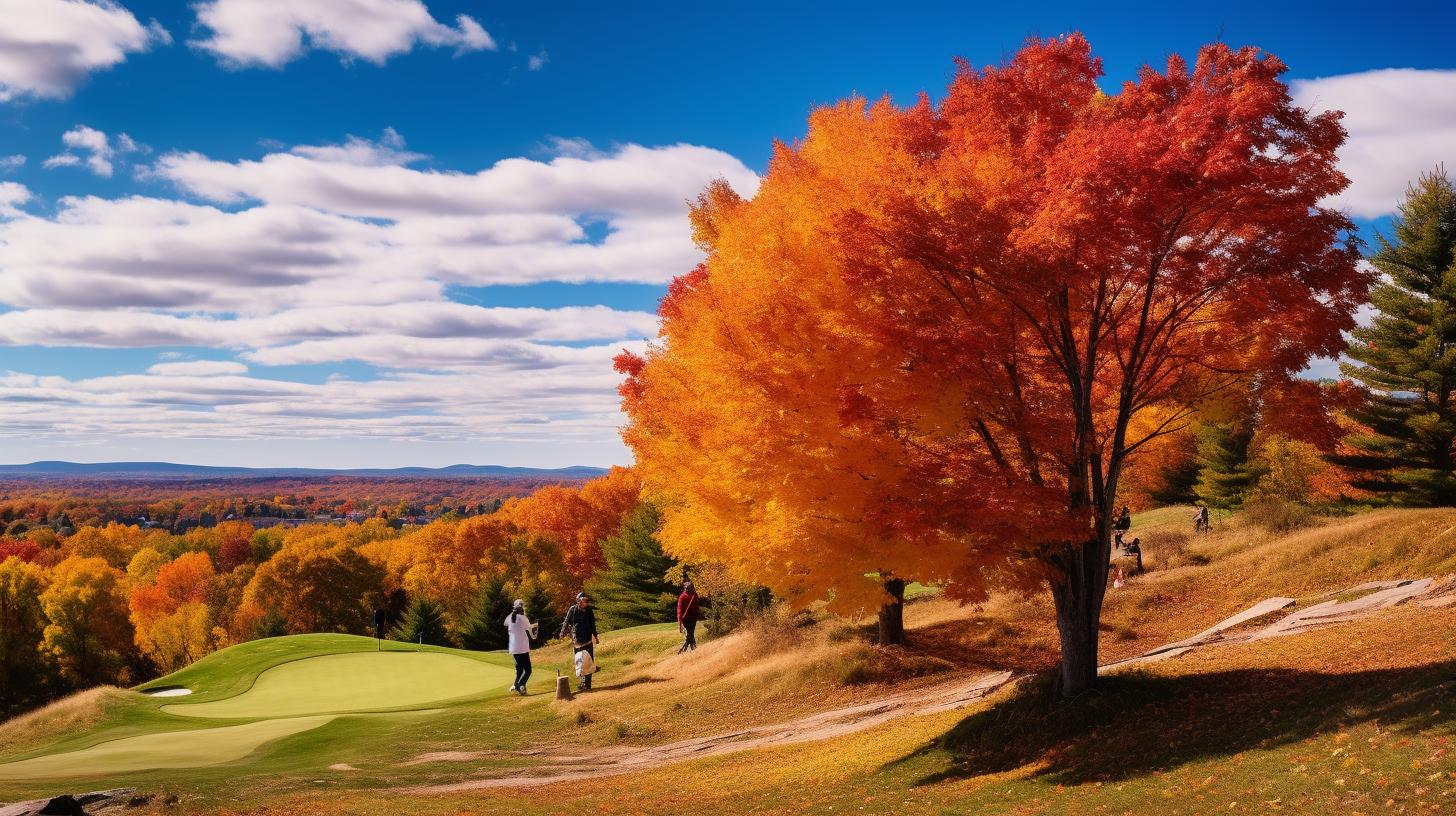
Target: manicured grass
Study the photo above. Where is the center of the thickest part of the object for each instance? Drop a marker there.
(1341, 720)
(362, 681)
(169, 749)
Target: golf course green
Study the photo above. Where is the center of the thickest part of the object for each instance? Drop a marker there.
(173, 749)
(271, 689)
(362, 681)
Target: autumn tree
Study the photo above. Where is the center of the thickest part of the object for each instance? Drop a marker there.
(318, 584)
(87, 630)
(919, 350)
(24, 673)
(173, 617)
(578, 518)
(1406, 357)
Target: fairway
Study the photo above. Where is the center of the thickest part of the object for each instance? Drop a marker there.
(362, 681)
(174, 749)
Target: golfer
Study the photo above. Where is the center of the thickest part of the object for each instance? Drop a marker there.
(520, 630)
(581, 625)
(687, 617)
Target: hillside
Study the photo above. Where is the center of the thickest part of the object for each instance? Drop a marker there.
(1354, 717)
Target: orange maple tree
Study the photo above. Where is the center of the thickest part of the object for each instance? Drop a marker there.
(927, 346)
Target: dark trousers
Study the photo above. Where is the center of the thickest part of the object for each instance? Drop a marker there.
(590, 649)
(523, 669)
(690, 642)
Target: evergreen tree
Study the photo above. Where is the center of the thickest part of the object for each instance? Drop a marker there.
(633, 588)
(1224, 474)
(423, 623)
(1176, 483)
(1407, 356)
(541, 608)
(483, 628)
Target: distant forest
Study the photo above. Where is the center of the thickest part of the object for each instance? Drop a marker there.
(65, 503)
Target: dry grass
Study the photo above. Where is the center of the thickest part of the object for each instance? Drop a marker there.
(72, 714)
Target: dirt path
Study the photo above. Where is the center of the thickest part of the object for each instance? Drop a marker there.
(1248, 625)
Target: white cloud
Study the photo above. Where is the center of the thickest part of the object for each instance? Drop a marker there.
(1402, 122)
(633, 179)
(308, 229)
(321, 255)
(571, 402)
(9, 164)
(12, 195)
(98, 148)
(198, 368)
(60, 42)
(277, 335)
(271, 33)
(61, 160)
(538, 60)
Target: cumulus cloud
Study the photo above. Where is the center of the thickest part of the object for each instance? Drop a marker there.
(12, 195)
(62, 41)
(1402, 122)
(9, 164)
(313, 227)
(98, 148)
(271, 33)
(320, 255)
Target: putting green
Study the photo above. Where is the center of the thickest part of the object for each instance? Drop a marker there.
(360, 681)
(174, 749)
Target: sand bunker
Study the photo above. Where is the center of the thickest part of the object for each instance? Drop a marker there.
(169, 692)
(359, 681)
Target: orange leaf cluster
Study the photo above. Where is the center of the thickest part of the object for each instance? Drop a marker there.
(930, 342)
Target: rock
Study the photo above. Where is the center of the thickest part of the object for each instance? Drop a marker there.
(79, 804)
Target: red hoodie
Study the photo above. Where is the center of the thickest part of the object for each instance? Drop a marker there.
(687, 607)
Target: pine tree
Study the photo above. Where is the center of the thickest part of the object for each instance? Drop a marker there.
(423, 623)
(1407, 356)
(483, 628)
(633, 588)
(543, 610)
(1224, 474)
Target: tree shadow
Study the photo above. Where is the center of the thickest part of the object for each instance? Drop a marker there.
(625, 684)
(1136, 724)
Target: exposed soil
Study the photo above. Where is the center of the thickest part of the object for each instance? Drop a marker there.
(1263, 620)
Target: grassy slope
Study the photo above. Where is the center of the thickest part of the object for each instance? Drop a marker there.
(1234, 725)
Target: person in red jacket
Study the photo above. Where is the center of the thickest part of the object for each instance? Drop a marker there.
(687, 616)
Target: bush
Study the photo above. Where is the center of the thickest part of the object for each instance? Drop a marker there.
(1277, 516)
(1169, 549)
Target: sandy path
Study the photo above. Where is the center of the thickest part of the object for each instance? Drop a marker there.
(824, 725)
(598, 763)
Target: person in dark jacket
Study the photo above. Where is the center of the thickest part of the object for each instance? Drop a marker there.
(581, 626)
(1135, 549)
(687, 616)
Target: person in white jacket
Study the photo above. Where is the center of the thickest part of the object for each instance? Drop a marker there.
(520, 631)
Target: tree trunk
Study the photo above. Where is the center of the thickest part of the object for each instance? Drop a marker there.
(1078, 601)
(892, 614)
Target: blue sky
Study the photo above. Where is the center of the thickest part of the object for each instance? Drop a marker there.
(281, 233)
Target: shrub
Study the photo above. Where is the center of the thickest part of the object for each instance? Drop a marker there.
(1277, 516)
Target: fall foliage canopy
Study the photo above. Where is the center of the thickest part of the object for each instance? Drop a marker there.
(929, 343)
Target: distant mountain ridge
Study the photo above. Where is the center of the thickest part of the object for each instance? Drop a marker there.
(176, 471)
